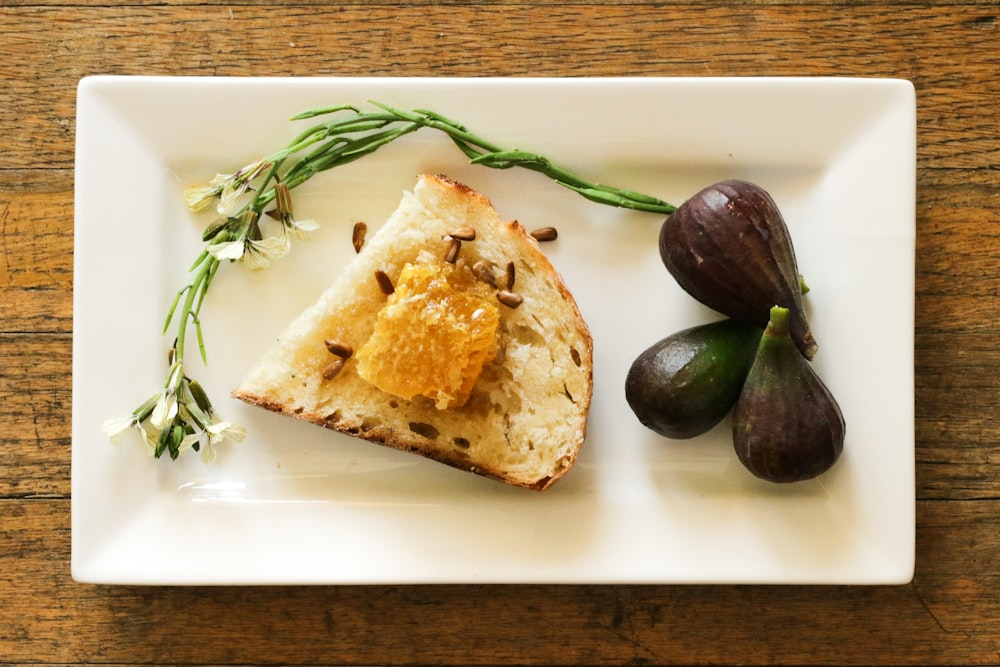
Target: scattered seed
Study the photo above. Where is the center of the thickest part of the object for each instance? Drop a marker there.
(358, 235)
(483, 271)
(451, 254)
(544, 234)
(332, 368)
(510, 276)
(464, 234)
(510, 299)
(384, 282)
(335, 347)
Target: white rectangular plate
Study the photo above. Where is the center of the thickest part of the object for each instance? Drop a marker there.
(295, 503)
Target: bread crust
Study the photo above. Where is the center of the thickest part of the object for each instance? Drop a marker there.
(388, 438)
(424, 436)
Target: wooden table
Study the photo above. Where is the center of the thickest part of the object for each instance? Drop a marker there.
(948, 615)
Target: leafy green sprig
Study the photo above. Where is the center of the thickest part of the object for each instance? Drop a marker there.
(478, 150)
(180, 417)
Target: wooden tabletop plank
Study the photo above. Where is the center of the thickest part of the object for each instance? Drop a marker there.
(638, 5)
(36, 265)
(937, 619)
(950, 55)
(35, 406)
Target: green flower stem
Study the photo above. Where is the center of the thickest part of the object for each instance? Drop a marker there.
(347, 139)
(193, 293)
(491, 155)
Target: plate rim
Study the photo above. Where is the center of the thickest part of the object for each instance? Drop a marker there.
(84, 569)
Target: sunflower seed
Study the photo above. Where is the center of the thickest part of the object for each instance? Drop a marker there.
(358, 235)
(510, 299)
(451, 254)
(544, 234)
(483, 271)
(384, 282)
(332, 368)
(336, 347)
(464, 234)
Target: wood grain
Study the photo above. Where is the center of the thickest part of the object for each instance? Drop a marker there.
(36, 236)
(510, 40)
(948, 615)
(940, 615)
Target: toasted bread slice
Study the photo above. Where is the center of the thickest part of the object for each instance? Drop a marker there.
(525, 419)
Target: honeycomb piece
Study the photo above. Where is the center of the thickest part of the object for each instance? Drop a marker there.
(433, 336)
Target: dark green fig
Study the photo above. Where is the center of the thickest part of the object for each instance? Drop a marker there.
(686, 383)
(729, 248)
(787, 426)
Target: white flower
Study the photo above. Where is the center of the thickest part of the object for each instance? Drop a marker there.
(165, 410)
(232, 199)
(148, 434)
(177, 419)
(235, 186)
(228, 250)
(258, 254)
(255, 255)
(150, 437)
(115, 427)
(223, 430)
(207, 452)
(198, 197)
(298, 228)
(187, 442)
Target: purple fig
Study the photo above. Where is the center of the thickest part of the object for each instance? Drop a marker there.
(729, 248)
(787, 426)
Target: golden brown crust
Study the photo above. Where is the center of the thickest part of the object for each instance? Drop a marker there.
(381, 436)
(462, 187)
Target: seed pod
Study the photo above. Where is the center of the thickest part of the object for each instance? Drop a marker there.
(729, 248)
(787, 426)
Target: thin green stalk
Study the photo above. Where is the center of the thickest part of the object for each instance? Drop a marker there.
(485, 153)
(196, 290)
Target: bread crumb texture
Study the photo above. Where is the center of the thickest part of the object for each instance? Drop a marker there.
(523, 420)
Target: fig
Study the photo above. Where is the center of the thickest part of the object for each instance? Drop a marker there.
(684, 384)
(787, 426)
(729, 248)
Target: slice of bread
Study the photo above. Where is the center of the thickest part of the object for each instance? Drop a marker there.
(525, 420)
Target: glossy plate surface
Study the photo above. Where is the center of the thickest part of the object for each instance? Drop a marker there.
(295, 503)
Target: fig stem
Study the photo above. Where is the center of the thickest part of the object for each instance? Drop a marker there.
(777, 326)
(803, 286)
